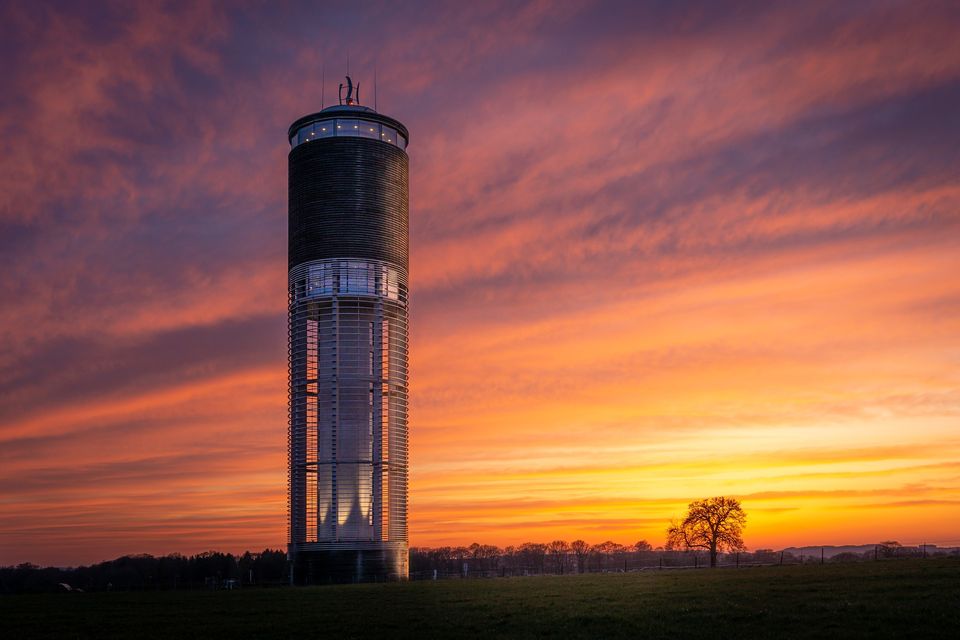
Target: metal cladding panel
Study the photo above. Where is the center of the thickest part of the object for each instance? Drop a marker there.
(348, 197)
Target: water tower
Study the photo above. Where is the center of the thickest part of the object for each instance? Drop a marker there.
(347, 283)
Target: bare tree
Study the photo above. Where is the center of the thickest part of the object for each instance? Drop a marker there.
(461, 553)
(640, 547)
(890, 549)
(484, 556)
(609, 547)
(533, 554)
(508, 559)
(581, 549)
(605, 550)
(714, 524)
(559, 550)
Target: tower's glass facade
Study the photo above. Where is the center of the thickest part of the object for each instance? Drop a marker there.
(348, 348)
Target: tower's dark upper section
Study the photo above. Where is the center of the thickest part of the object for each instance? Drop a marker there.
(348, 197)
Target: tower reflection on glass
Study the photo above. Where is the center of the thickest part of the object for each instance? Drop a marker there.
(348, 246)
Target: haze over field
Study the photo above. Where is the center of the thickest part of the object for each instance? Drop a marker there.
(658, 253)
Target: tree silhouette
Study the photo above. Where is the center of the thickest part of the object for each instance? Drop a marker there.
(581, 549)
(605, 550)
(533, 554)
(714, 524)
(559, 550)
(890, 549)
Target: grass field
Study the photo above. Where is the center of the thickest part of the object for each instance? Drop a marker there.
(894, 599)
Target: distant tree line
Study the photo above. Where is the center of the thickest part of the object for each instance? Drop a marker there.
(215, 570)
(559, 557)
(211, 569)
(534, 558)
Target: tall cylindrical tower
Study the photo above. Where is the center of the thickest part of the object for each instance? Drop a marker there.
(348, 259)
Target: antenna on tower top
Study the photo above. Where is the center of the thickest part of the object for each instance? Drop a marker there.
(323, 81)
(374, 85)
(350, 99)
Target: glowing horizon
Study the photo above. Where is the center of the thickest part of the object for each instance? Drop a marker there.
(657, 254)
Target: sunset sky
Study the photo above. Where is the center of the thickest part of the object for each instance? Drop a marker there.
(659, 251)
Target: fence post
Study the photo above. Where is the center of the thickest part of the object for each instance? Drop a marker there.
(661, 562)
(875, 553)
(781, 558)
(696, 564)
(821, 555)
(738, 559)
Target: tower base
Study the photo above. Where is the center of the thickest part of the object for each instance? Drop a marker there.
(314, 564)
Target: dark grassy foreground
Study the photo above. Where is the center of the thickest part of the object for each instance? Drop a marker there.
(894, 599)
